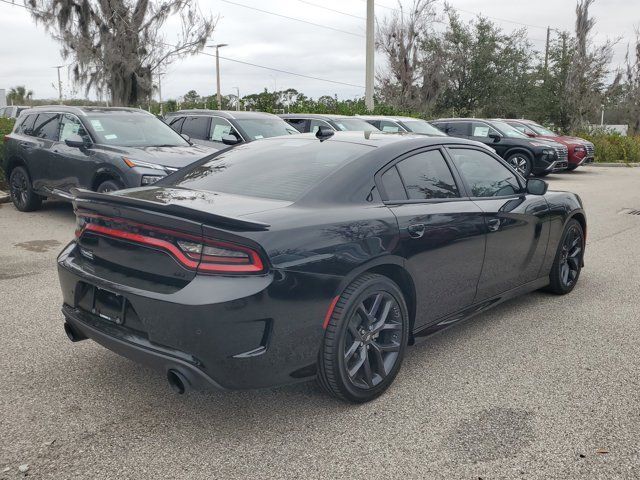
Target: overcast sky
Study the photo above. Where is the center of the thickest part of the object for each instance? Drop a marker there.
(27, 53)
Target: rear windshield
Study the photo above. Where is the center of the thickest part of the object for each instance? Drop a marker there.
(133, 130)
(276, 169)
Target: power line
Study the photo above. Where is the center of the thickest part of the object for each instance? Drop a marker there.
(279, 70)
(332, 10)
(292, 18)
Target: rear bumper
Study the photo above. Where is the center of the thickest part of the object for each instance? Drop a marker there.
(151, 356)
(218, 332)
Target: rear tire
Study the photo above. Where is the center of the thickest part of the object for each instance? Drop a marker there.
(568, 262)
(521, 162)
(22, 194)
(109, 186)
(365, 340)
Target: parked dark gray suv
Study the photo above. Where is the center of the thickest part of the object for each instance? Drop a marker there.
(55, 148)
(222, 128)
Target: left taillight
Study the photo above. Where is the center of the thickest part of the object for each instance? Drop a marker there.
(222, 257)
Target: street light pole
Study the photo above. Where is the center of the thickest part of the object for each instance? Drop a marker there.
(58, 67)
(237, 99)
(370, 52)
(218, 95)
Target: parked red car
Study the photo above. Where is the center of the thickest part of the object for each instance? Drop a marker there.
(580, 151)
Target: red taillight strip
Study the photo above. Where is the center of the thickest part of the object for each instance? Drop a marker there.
(332, 307)
(255, 266)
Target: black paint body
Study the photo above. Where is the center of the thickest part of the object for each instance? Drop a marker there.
(248, 331)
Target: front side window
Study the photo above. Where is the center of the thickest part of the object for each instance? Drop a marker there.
(47, 126)
(258, 128)
(314, 125)
(426, 176)
(354, 125)
(389, 127)
(479, 129)
(484, 175)
(219, 128)
(507, 130)
(300, 124)
(422, 127)
(70, 125)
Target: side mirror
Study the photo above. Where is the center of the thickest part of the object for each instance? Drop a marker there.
(75, 141)
(186, 137)
(530, 134)
(230, 139)
(535, 186)
(495, 137)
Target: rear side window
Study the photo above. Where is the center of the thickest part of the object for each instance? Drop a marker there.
(47, 126)
(26, 127)
(426, 176)
(458, 128)
(196, 127)
(277, 169)
(484, 175)
(392, 184)
(299, 124)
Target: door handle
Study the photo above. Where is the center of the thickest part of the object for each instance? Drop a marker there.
(416, 230)
(494, 224)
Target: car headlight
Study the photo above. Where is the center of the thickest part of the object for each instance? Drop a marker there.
(149, 179)
(138, 163)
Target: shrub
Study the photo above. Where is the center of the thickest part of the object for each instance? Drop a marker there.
(6, 125)
(613, 147)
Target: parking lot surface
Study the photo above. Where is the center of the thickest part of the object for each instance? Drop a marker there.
(540, 387)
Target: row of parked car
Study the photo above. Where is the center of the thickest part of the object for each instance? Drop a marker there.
(53, 149)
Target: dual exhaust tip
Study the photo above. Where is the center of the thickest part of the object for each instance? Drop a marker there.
(177, 381)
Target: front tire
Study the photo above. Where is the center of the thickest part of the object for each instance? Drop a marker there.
(109, 186)
(571, 167)
(365, 340)
(21, 190)
(521, 162)
(568, 262)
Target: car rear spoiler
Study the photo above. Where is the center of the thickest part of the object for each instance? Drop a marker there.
(81, 196)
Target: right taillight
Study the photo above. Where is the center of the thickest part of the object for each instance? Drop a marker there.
(222, 257)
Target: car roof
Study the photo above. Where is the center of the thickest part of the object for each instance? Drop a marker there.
(391, 118)
(319, 116)
(84, 110)
(519, 120)
(230, 114)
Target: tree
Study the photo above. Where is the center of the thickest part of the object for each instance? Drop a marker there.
(400, 38)
(632, 87)
(117, 45)
(19, 95)
(585, 87)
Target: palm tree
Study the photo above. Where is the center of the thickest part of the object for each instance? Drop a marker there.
(19, 95)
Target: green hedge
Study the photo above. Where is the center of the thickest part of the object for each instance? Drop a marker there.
(6, 125)
(613, 147)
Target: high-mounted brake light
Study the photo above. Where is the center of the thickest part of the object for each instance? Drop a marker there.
(211, 256)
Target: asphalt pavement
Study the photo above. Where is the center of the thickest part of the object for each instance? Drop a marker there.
(541, 387)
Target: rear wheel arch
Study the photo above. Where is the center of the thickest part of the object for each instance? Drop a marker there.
(14, 162)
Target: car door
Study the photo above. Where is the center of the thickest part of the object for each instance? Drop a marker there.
(45, 135)
(72, 166)
(516, 222)
(442, 233)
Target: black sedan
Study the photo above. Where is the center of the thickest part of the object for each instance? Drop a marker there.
(301, 257)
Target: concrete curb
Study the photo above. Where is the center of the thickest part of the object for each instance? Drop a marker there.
(619, 164)
(4, 197)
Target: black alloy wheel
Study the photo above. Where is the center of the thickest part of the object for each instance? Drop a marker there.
(568, 262)
(521, 163)
(22, 194)
(365, 340)
(109, 186)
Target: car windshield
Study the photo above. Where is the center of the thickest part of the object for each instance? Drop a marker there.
(133, 130)
(354, 125)
(257, 128)
(540, 130)
(279, 169)
(507, 130)
(422, 127)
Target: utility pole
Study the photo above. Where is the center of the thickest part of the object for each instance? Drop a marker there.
(58, 67)
(219, 96)
(160, 91)
(546, 53)
(370, 52)
(237, 99)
